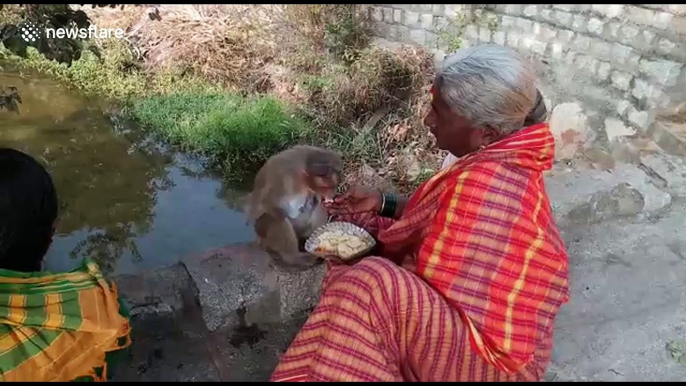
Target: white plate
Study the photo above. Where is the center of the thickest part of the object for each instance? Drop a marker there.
(347, 228)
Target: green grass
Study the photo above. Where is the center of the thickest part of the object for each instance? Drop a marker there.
(88, 74)
(236, 132)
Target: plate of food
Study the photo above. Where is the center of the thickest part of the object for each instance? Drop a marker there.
(341, 239)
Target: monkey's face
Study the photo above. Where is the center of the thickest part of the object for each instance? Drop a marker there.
(323, 170)
(324, 186)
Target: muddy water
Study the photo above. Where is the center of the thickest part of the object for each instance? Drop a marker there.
(126, 201)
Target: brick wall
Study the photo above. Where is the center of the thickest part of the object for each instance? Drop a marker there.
(621, 63)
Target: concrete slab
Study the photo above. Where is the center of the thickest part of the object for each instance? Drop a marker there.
(627, 301)
(239, 281)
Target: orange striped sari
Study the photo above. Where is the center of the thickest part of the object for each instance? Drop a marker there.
(482, 274)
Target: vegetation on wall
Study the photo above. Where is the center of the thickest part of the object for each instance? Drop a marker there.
(451, 35)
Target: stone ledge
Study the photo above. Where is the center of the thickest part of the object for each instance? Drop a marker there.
(236, 311)
(156, 292)
(238, 284)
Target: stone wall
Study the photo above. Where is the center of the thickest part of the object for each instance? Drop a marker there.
(607, 68)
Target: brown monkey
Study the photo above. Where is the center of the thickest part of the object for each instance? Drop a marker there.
(286, 202)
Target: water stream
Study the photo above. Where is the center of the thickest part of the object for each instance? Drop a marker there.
(125, 200)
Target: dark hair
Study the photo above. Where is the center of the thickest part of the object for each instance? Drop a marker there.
(28, 210)
(539, 113)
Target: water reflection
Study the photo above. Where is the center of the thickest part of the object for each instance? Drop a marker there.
(125, 200)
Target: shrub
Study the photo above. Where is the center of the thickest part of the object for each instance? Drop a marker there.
(380, 78)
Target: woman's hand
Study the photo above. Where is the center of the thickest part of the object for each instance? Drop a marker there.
(356, 200)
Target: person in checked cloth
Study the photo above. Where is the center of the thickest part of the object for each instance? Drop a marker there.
(54, 327)
(471, 271)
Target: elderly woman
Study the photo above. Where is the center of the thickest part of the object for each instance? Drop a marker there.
(537, 115)
(473, 269)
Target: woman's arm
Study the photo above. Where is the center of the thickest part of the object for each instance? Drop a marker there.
(368, 208)
(392, 206)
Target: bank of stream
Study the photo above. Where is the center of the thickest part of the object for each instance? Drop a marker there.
(127, 201)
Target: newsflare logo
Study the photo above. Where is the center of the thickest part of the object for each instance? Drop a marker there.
(29, 32)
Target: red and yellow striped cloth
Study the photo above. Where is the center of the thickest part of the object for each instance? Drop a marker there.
(485, 272)
(58, 327)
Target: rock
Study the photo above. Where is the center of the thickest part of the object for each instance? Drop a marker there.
(299, 291)
(225, 315)
(599, 158)
(640, 118)
(587, 196)
(670, 136)
(156, 292)
(237, 284)
(620, 201)
(569, 127)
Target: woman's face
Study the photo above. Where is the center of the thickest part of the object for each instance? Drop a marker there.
(453, 132)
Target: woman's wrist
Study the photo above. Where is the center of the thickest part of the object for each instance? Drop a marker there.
(388, 205)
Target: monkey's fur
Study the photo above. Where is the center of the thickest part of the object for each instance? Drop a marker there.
(286, 202)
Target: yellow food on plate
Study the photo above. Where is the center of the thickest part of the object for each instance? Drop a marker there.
(341, 244)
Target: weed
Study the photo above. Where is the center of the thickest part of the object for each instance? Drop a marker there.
(348, 33)
(378, 79)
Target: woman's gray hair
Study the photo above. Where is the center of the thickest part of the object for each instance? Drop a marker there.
(490, 85)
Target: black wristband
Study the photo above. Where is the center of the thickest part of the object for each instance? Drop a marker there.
(390, 204)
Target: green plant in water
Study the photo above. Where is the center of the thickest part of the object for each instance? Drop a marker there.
(235, 132)
(9, 99)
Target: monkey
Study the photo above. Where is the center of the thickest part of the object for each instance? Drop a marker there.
(285, 204)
